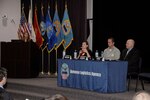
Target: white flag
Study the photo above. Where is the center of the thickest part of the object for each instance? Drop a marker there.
(32, 33)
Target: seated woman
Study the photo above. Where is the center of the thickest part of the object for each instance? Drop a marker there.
(85, 51)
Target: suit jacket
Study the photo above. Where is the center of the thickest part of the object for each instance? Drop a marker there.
(4, 95)
(132, 57)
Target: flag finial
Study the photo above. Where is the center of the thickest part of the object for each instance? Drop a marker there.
(42, 6)
(66, 4)
(56, 4)
(23, 6)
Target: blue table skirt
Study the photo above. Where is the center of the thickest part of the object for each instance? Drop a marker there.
(98, 76)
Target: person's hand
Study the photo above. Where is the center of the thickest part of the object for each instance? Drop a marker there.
(80, 51)
(85, 51)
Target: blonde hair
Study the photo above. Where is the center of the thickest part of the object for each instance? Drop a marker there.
(57, 97)
(142, 95)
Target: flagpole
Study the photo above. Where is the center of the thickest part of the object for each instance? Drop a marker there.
(56, 63)
(49, 64)
(55, 47)
(42, 70)
(31, 9)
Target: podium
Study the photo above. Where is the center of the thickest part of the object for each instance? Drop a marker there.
(21, 59)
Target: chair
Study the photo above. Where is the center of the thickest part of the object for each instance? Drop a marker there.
(142, 77)
(134, 74)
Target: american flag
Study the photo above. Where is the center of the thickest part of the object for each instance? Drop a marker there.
(23, 27)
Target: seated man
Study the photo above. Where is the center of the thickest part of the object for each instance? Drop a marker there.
(112, 52)
(4, 95)
(131, 54)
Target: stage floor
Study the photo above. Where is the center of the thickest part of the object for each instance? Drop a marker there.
(51, 83)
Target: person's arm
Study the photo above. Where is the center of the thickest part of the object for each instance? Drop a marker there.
(88, 53)
(80, 53)
(117, 54)
(122, 55)
(134, 58)
(104, 53)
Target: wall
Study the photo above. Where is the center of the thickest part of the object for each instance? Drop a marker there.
(90, 19)
(9, 19)
(89, 9)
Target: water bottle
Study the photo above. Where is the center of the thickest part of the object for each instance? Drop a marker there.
(70, 57)
(86, 58)
(103, 59)
(75, 54)
(102, 55)
(64, 53)
(96, 54)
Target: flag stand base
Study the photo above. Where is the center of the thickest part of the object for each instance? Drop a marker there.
(49, 73)
(56, 74)
(41, 72)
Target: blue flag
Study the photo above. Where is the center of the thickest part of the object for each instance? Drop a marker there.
(67, 29)
(43, 28)
(51, 37)
(42, 23)
(57, 28)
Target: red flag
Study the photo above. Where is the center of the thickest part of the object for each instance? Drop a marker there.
(39, 39)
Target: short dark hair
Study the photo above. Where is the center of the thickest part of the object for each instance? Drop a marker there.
(112, 38)
(3, 73)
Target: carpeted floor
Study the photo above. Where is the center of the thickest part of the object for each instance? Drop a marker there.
(73, 94)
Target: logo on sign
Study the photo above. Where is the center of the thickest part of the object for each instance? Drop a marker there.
(64, 71)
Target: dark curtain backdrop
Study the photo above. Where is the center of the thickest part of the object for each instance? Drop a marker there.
(77, 15)
(122, 20)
